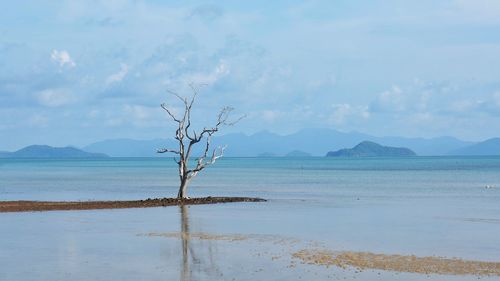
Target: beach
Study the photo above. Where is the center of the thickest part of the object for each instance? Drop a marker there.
(422, 218)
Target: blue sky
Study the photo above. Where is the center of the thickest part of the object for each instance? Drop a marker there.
(74, 72)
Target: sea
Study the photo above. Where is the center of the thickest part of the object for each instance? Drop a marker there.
(447, 207)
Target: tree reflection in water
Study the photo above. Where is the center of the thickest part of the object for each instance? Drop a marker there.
(198, 260)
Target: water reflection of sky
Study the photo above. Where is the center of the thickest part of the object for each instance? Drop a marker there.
(436, 211)
(115, 245)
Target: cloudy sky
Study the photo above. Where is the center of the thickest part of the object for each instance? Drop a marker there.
(78, 71)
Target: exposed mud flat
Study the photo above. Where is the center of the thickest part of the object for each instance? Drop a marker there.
(30, 206)
(356, 260)
(479, 220)
(399, 263)
(274, 239)
(315, 255)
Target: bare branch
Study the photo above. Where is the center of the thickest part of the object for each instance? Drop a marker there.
(177, 95)
(196, 89)
(187, 138)
(221, 121)
(164, 106)
(216, 156)
(177, 161)
(224, 116)
(165, 150)
(236, 121)
(188, 116)
(186, 105)
(202, 164)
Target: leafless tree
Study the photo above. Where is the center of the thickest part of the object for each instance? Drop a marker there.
(187, 138)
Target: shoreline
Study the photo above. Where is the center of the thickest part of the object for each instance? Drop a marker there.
(42, 206)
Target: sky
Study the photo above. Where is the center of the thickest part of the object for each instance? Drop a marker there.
(78, 71)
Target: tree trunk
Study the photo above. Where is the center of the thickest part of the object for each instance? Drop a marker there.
(183, 189)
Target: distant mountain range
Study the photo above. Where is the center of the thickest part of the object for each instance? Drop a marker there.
(371, 149)
(315, 142)
(130, 147)
(297, 153)
(45, 151)
(307, 142)
(487, 147)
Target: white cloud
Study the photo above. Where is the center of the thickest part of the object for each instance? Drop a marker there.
(38, 121)
(137, 112)
(392, 100)
(343, 111)
(417, 97)
(62, 58)
(94, 113)
(54, 97)
(117, 77)
(462, 106)
(436, 107)
(482, 11)
(221, 70)
(206, 12)
(496, 98)
(270, 116)
(142, 116)
(113, 122)
(260, 75)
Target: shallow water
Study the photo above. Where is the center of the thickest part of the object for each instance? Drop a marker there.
(425, 206)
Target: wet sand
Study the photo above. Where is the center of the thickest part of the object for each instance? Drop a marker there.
(30, 206)
(399, 263)
(356, 260)
(262, 238)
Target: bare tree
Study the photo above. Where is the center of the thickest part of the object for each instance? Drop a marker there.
(187, 138)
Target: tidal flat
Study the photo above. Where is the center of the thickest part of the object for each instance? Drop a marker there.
(379, 219)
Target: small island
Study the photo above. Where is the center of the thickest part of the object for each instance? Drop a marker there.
(45, 151)
(371, 149)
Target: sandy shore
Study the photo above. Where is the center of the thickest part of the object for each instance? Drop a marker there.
(358, 261)
(30, 206)
(398, 263)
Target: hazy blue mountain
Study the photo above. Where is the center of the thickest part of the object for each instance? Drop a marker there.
(487, 147)
(297, 153)
(425, 147)
(316, 142)
(45, 151)
(319, 141)
(371, 149)
(130, 148)
(267, 155)
(254, 145)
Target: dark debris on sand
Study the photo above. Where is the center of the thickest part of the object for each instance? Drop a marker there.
(30, 206)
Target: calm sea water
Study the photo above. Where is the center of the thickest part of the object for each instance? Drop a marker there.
(424, 206)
